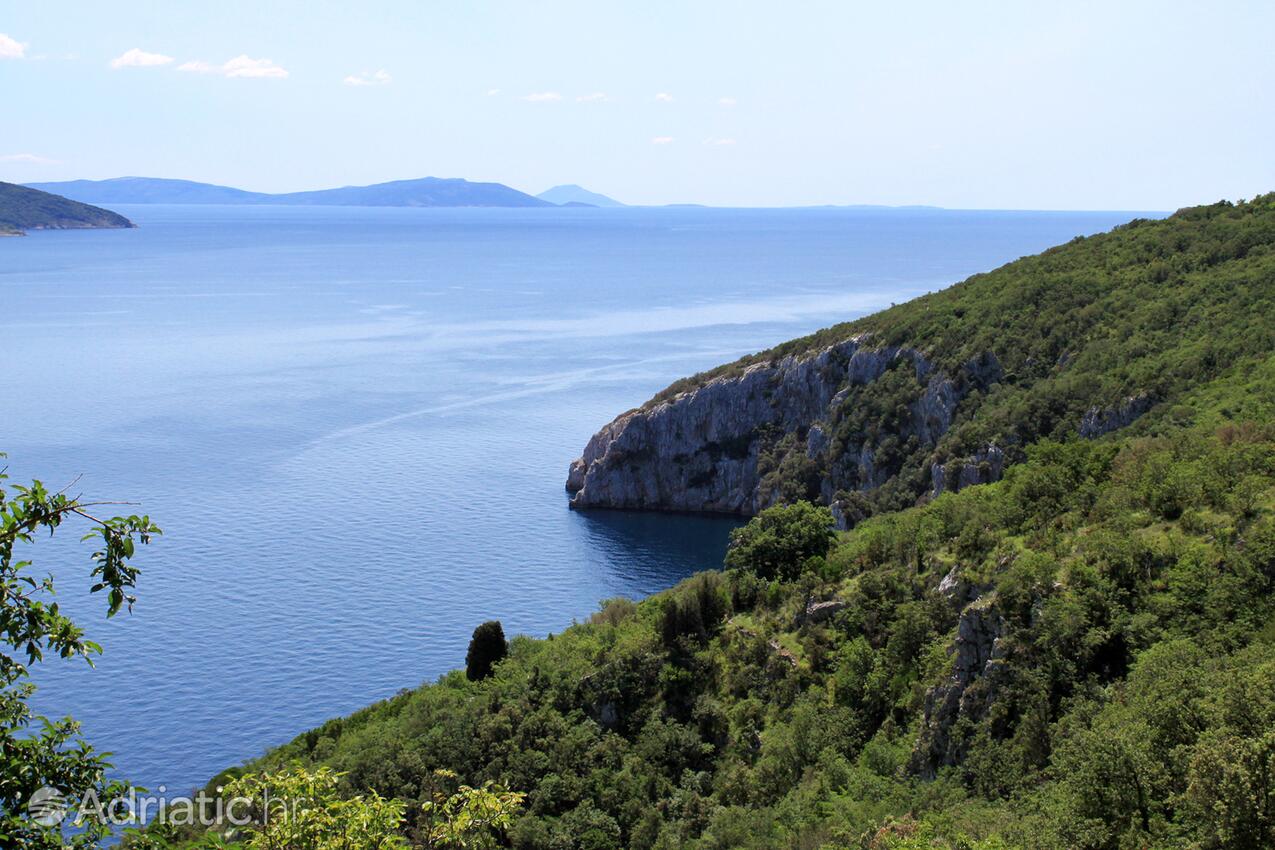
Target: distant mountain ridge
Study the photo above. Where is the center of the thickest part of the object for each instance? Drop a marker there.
(23, 208)
(570, 193)
(422, 192)
(425, 192)
(149, 190)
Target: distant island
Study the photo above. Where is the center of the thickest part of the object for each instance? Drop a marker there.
(571, 195)
(149, 190)
(23, 208)
(423, 192)
(419, 192)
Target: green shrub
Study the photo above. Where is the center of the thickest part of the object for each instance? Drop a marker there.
(780, 541)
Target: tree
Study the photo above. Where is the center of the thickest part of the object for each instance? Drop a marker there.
(778, 542)
(301, 809)
(1231, 794)
(486, 648)
(53, 764)
(472, 818)
(696, 611)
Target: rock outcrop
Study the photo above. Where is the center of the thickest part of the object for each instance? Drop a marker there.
(700, 449)
(959, 589)
(1103, 420)
(818, 612)
(976, 661)
(983, 467)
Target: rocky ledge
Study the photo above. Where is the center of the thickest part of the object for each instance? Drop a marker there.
(712, 448)
(1103, 420)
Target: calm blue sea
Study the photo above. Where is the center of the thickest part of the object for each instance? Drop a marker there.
(354, 426)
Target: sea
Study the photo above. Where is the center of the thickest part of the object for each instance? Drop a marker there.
(354, 427)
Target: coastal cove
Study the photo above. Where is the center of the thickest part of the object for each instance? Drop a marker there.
(386, 404)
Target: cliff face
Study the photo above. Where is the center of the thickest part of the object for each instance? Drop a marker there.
(719, 447)
(699, 451)
(1103, 420)
(947, 390)
(977, 656)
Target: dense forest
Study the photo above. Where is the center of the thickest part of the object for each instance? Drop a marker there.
(1079, 655)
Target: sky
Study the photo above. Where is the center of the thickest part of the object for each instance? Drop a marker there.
(1007, 105)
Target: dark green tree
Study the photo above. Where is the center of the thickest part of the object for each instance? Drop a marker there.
(486, 648)
(38, 754)
(779, 541)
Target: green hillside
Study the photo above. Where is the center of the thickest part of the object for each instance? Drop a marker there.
(1123, 694)
(1081, 655)
(23, 209)
(1141, 317)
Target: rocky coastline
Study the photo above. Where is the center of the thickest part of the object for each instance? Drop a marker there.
(708, 449)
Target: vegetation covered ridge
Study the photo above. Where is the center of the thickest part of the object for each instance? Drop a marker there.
(940, 323)
(1123, 328)
(23, 209)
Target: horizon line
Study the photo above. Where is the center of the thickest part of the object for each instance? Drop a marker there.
(757, 206)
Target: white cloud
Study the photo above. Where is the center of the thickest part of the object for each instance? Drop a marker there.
(596, 97)
(242, 67)
(714, 140)
(493, 92)
(542, 97)
(664, 97)
(138, 58)
(369, 78)
(727, 101)
(28, 158)
(11, 48)
(662, 140)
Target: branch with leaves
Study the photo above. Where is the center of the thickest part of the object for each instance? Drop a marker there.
(31, 624)
(471, 818)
